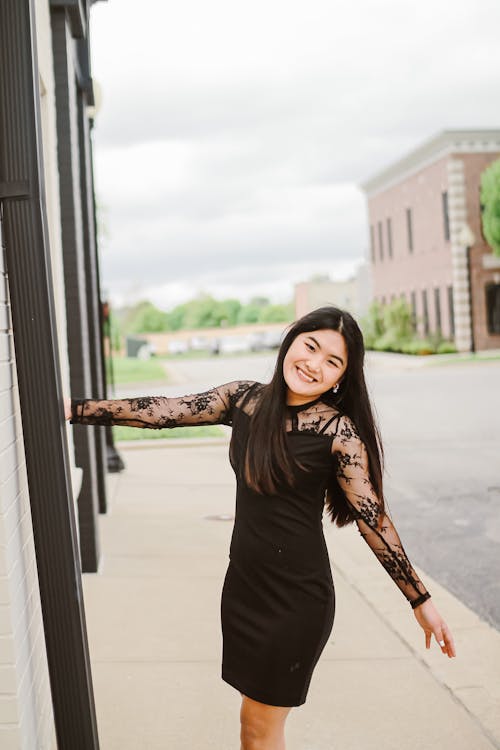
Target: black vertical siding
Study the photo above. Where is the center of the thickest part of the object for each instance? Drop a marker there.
(38, 372)
(76, 281)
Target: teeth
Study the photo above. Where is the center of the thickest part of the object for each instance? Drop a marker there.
(307, 377)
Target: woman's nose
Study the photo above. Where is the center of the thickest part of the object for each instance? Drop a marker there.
(313, 363)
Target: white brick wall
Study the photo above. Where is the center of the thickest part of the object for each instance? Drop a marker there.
(26, 720)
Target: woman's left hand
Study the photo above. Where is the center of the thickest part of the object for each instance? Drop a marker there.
(432, 623)
(67, 408)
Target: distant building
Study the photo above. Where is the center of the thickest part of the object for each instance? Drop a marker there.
(426, 240)
(352, 295)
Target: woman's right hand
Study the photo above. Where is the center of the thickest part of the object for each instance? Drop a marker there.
(67, 408)
(433, 624)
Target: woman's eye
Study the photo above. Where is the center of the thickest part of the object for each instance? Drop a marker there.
(332, 363)
(310, 347)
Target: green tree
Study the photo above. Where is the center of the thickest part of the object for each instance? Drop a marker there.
(176, 317)
(490, 202)
(204, 312)
(372, 324)
(397, 326)
(249, 313)
(398, 319)
(145, 318)
(114, 330)
(232, 308)
(388, 327)
(277, 314)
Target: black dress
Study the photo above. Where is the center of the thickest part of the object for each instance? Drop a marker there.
(278, 599)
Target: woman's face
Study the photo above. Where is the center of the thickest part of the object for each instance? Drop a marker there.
(314, 363)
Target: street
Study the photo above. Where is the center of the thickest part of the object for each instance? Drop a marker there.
(441, 435)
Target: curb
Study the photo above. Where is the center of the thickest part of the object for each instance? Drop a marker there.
(396, 360)
(136, 445)
(472, 676)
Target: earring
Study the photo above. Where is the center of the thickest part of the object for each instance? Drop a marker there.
(335, 388)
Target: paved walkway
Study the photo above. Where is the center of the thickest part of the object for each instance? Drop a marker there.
(154, 631)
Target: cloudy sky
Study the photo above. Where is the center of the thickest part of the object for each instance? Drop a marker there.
(232, 137)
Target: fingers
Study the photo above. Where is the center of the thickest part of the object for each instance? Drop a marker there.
(444, 640)
(67, 407)
(430, 621)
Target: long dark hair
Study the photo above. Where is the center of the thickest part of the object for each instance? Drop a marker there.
(267, 460)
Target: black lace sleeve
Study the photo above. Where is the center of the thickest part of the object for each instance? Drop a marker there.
(374, 525)
(211, 407)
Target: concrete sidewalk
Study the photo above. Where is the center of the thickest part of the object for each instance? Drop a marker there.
(154, 630)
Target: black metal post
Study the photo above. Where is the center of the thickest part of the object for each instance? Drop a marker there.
(76, 279)
(38, 369)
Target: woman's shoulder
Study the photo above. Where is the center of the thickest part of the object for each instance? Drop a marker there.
(240, 391)
(335, 422)
(344, 433)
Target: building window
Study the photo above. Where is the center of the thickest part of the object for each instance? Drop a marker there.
(451, 311)
(493, 307)
(446, 218)
(372, 243)
(380, 241)
(413, 303)
(425, 311)
(409, 229)
(389, 238)
(437, 306)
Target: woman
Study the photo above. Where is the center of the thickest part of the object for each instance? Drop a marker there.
(306, 439)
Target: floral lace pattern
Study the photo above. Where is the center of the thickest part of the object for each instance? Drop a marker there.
(216, 405)
(157, 412)
(374, 525)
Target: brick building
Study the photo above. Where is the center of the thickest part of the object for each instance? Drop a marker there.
(426, 243)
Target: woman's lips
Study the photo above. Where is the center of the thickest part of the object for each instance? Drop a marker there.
(304, 376)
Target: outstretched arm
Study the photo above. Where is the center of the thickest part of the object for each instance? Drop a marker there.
(379, 532)
(210, 407)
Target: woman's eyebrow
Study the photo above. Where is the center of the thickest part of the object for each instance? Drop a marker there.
(335, 356)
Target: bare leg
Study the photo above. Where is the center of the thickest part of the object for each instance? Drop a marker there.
(262, 726)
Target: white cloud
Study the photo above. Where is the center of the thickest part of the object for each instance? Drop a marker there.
(231, 137)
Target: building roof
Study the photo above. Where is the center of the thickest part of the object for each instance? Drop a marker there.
(442, 144)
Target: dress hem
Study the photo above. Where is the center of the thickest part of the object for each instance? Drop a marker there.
(256, 694)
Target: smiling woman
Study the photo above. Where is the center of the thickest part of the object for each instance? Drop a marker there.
(314, 364)
(305, 439)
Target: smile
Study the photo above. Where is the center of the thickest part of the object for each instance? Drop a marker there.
(303, 376)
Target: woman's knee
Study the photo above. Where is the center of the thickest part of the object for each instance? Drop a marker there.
(261, 723)
(252, 736)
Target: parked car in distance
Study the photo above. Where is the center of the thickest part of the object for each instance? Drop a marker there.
(263, 340)
(234, 344)
(200, 343)
(177, 346)
(146, 351)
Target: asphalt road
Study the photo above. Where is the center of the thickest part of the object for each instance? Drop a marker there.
(441, 432)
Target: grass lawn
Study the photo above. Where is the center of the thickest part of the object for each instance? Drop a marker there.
(132, 370)
(135, 433)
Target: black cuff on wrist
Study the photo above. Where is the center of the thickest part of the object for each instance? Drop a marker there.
(420, 600)
(76, 406)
